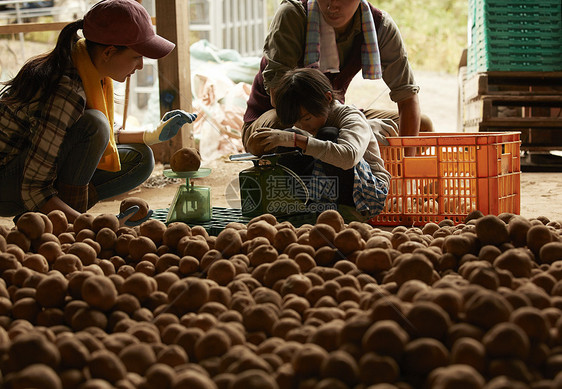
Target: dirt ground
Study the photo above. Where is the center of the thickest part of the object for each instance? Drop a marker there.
(541, 193)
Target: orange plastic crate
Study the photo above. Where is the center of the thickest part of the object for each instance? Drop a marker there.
(451, 175)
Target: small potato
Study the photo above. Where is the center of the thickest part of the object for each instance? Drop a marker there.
(222, 271)
(280, 269)
(105, 220)
(68, 263)
(99, 292)
(321, 235)
(308, 360)
(491, 230)
(105, 365)
(261, 228)
(31, 224)
(373, 260)
(385, 337)
(506, 340)
(36, 376)
(51, 291)
(153, 229)
(140, 246)
(332, 218)
(423, 355)
(59, 221)
(36, 262)
(84, 221)
(84, 251)
(228, 242)
(174, 232)
(139, 285)
(138, 357)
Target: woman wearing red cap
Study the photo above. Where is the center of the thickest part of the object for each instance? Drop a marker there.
(58, 147)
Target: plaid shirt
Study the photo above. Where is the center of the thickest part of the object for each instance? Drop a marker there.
(41, 128)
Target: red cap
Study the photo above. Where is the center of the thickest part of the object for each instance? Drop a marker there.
(125, 23)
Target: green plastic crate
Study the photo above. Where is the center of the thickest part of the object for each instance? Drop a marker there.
(222, 216)
(515, 35)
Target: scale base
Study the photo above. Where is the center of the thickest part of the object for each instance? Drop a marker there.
(191, 204)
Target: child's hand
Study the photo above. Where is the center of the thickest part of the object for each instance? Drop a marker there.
(270, 139)
(169, 126)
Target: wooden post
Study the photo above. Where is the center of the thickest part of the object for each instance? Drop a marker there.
(172, 23)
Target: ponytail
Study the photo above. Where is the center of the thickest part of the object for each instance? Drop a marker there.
(42, 73)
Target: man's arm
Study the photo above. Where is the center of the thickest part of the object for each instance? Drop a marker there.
(410, 116)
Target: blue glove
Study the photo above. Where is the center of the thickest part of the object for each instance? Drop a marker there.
(169, 126)
(124, 217)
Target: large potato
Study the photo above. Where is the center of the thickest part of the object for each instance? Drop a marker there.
(186, 159)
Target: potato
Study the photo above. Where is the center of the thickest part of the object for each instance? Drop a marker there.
(263, 254)
(537, 237)
(172, 355)
(131, 201)
(36, 376)
(332, 218)
(33, 348)
(214, 343)
(83, 221)
(261, 228)
(36, 262)
(88, 317)
(280, 269)
(222, 271)
(106, 365)
(67, 263)
(188, 294)
(455, 376)
(84, 251)
(413, 266)
(174, 232)
(486, 309)
(31, 224)
(516, 260)
(186, 159)
(137, 357)
(491, 230)
(51, 291)
(373, 260)
(228, 242)
(308, 360)
(105, 220)
(423, 355)
(506, 340)
(18, 239)
(253, 379)
(342, 366)
(140, 246)
(153, 229)
(139, 285)
(99, 292)
(283, 238)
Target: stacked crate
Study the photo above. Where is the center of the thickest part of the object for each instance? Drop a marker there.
(514, 71)
(515, 35)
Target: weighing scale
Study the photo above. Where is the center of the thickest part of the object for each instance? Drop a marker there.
(269, 187)
(192, 203)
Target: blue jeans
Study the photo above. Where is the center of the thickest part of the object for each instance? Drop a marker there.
(77, 162)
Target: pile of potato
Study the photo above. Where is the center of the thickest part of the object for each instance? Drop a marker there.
(267, 305)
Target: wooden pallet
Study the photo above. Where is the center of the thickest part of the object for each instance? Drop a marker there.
(512, 83)
(515, 110)
(535, 139)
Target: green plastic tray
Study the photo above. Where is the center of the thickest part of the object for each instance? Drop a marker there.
(222, 216)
